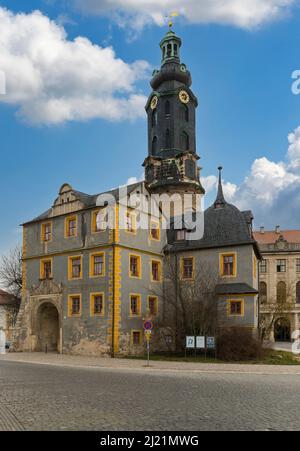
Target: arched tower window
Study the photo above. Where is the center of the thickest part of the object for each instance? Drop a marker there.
(168, 109)
(184, 110)
(155, 146)
(298, 293)
(263, 292)
(169, 51)
(281, 292)
(175, 50)
(154, 118)
(184, 141)
(168, 139)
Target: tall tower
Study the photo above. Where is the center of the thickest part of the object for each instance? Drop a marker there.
(171, 165)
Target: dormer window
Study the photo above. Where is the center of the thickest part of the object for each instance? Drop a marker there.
(181, 235)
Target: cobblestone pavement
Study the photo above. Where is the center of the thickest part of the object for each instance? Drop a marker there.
(51, 397)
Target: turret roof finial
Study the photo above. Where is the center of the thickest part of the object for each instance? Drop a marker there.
(171, 17)
(220, 200)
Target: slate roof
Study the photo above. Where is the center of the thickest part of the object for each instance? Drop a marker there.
(89, 200)
(224, 225)
(235, 288)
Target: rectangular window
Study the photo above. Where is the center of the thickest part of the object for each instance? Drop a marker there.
(75, 305)
(181, 235)
(46, 269)
(156, 271)
(228, 265)
(135, 266)
(236, 308)
(130, 222)
(298, 265)
(154, 230)
(136, 337)
(75, 267)
(152, 305)
(187, 268)
(281, 265)
(135, 305)
(71, 226)
(97, 304)
(98, 221)
(263, 267)
(97, 265)
(47, 232)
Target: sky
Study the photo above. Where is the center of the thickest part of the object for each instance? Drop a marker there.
(77, 80)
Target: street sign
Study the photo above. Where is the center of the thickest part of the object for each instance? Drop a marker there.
(210, 342)
(200, 342)
(148, 325)
(190, 342)
(148, 334)
(2, 342)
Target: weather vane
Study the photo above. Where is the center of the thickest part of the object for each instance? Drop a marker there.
(171, 18)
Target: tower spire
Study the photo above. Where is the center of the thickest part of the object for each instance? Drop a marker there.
(220, 200)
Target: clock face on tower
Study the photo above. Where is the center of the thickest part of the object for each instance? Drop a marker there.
(184, 97)
(154, 102)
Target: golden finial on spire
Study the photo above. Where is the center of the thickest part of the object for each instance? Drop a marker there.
(171, 17)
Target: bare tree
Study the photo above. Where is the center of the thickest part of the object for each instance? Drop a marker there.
(11, 272)
(189, 307)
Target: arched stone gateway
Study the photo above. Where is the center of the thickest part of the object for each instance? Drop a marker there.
(282, 330)
(48, 328)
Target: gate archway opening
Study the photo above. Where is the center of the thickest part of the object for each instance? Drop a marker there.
(282, 330)
(48, 328)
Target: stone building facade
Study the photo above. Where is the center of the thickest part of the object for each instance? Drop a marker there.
(280, 281)
(9, 306)
(93, 264)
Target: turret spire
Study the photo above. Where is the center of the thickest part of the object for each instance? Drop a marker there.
(220, 200)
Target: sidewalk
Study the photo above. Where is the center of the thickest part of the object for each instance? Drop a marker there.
(132, 365)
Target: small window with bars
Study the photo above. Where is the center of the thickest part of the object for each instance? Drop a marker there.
(153, 305)
(155, 231)
(135, 266)
(228, 265)
(71, 227)
(298, 265)
(130, 222)
(76, 267)
(46, 272)
(74, 305)
(97, 304)
(47, 232)
(236, 308)
(97, 265)
(187, 268)
(136, 338)
(155, 271)
(135, 305)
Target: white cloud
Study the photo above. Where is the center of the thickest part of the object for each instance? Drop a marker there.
(210, 184)
(272, 189)
(51, 79)
(241, 13)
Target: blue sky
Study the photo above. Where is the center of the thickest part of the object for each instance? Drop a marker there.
(241, 75)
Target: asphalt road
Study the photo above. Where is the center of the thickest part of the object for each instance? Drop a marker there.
(39, 397)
